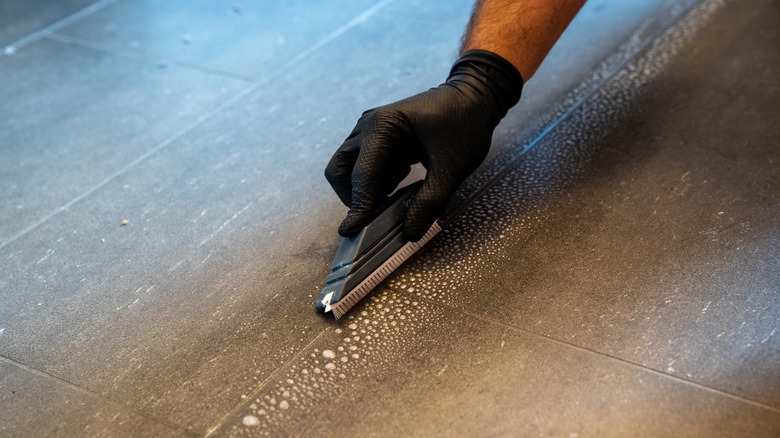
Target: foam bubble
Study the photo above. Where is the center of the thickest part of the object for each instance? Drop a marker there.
(250, 420)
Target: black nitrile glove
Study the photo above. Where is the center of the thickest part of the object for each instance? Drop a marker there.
(448, 129)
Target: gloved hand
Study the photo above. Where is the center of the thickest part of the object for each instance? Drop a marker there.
(448, 129)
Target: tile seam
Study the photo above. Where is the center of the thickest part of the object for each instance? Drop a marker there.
(262, 385)
(420, 18)
(10, 49)
(147, 57)
(92, 394)
(590, 351)
(360, 18)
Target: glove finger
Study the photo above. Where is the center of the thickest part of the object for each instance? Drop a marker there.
(367, 187)
(363, 213)
(427, 205)
(338, 172)
(380, 166)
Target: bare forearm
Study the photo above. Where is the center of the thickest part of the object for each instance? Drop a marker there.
(520, 31)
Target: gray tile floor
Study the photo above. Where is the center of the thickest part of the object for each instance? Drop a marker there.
(612, 270)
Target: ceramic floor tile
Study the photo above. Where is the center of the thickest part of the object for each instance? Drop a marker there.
(645, 226)
(401, 367)
(251, 38)
(75, 116)
(34, 405)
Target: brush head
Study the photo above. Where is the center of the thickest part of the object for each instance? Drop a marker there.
(364, 260)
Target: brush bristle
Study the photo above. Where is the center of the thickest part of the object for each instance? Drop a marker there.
(382, 272)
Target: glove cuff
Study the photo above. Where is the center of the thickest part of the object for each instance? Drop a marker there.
(483, 69)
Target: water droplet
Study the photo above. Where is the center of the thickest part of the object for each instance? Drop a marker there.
(328, 354)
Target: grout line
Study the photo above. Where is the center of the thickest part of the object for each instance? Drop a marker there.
(588, 46)
(146, 57)
(10, 49)
(330, 37)
(411, 16)
(624, 362)
(262, 385)
(338, 32)
(82, 390)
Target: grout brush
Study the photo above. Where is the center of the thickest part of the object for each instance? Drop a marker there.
(364, 260)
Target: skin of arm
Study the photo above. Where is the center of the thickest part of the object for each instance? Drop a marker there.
(520, 31)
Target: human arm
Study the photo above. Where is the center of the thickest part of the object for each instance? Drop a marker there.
(520, 31)
(448, 128)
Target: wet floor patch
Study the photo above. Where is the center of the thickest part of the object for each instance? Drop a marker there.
(640, 226)
(401, 367)
(379, 332)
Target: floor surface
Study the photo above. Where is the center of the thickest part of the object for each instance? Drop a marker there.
(613, 269)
